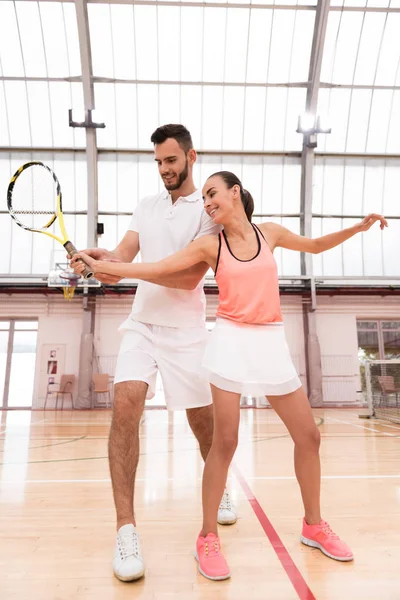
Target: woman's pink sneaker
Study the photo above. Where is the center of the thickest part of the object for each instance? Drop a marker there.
(321, 536)
(212, 564)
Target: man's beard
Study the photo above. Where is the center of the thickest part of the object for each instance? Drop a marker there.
(181, 179)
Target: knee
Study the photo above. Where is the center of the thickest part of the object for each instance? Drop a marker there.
(128, 404)
(226, 445)
(310, 440)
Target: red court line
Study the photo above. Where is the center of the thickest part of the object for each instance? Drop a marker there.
(296, 578)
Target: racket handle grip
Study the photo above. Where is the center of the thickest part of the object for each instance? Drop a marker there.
(70, 248)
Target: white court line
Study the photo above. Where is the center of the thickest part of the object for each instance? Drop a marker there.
(384, 424)
(380, 423)
(265, 478)
(361, 427)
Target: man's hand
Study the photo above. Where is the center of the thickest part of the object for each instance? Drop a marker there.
(99, 254)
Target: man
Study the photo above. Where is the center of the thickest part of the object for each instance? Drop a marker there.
(165, 332)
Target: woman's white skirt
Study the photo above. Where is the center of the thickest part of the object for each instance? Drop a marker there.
(252, 360)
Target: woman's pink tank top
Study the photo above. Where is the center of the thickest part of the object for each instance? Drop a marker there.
(248, 289)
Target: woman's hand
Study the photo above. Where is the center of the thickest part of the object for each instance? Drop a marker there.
(78, 266)
(369, 220)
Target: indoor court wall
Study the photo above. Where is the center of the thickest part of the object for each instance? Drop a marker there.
(60, 322)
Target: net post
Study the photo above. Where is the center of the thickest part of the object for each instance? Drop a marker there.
(369, 388)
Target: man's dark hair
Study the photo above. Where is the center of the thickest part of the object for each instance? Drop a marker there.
(177, 132)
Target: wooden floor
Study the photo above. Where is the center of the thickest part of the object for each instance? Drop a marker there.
(57, 517)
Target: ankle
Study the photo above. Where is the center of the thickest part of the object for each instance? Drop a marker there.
(125, 521)
(205, 532)
(313, 519)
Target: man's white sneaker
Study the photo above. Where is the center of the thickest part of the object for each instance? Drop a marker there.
(128, 562)
(227, 514)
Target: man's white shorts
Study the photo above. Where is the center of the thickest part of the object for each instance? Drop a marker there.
(176, 352)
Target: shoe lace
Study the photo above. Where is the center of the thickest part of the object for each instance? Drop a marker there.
(128, 545)
(328, 531)
(226, 503)
(212, 549)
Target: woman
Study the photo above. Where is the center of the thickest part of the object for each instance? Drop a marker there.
(247, 352)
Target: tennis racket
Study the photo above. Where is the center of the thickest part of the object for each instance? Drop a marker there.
(34, 201)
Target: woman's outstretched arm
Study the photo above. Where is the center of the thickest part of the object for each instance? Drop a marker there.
(203, 249)
(280, 237)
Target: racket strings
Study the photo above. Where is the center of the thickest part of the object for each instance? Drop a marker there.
(33, 212)
(34, 197)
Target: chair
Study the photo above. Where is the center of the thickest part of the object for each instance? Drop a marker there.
(101, 385)
(387, 385)
(65, 387)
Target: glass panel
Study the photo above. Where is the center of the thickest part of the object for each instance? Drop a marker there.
(214, 44)
(123, 41)
(26, 325)
(390, 324)
(30, 32)
(170, 104)
(367, 325)
(3, 362)
(259, 45)
(370, 254)
(232, 135)
(4, 124)
(334, 105)
(283, 107)
(101, 39)
(146, 45)
(358, 118)
(290, 46)
(47, 34)
(253, 136)
(391, 344)
(368, 345)
(38, 113)
(18, 113)
(105, 103)
(168, 43)
(5, 325)
(64, 96)
(214, 104)
(191, 101)
(389, 52)
(61, 42)
(379, 121)
(341, 46)
(393, 140)
(236, 45)
(356, 186)
(368, 51)
(390, 247)
(10, 47)
(148, 114)
(118, 182)
(22, 363)
(192, 37)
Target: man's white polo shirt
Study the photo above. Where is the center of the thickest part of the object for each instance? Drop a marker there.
(164, 228)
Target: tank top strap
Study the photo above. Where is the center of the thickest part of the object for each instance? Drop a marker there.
(257, 229)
